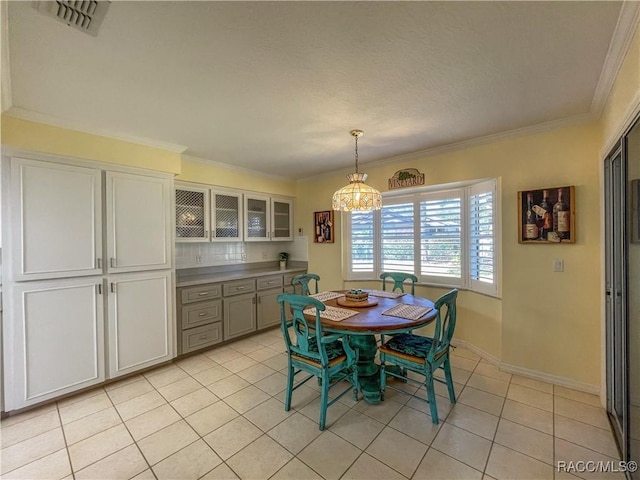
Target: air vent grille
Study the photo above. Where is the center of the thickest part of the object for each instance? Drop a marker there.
(83, 15)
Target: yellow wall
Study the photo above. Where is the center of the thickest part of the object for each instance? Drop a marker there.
(198, 171)
(38, 137)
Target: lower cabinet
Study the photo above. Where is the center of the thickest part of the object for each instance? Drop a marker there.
(140, 327)
(239, 315)
(55, 343)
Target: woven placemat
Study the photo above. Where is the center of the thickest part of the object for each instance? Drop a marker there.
(334, 314)
(324, 296)
(410, 312)
(385, 294)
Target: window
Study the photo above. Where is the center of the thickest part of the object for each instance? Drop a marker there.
(445, 237)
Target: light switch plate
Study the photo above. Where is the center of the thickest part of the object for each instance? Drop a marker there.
(558, 265)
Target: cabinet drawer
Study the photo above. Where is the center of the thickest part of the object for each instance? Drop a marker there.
(201, 314)
(201, 292)
(201, 337)
(240, 286)
(290, 276)
(269, 282)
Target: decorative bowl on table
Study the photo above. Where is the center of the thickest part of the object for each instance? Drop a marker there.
(356, 295)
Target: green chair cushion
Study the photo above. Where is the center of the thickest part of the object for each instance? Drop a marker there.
(334, 349)
(409, 344)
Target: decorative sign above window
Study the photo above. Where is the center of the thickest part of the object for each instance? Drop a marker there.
(409, 177)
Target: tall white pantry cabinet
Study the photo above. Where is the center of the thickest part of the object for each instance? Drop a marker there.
(90, 289)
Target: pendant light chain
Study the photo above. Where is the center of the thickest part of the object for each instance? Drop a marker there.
(356, 136)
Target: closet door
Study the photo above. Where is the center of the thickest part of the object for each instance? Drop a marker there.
(633, 289)
(58, 214)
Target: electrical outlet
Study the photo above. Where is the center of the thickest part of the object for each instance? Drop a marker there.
(264, 255)
(243, 257)
(198, 258)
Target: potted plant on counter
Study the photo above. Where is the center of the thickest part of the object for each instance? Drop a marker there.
(284, 256)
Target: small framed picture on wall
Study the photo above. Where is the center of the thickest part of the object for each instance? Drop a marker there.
(547, 215)
(323, 227)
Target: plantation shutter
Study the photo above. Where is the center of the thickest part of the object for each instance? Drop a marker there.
(397, 236)
(441, 237)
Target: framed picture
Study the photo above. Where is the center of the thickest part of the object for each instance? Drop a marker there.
(635, 211)
(323, 227)
(547, 215)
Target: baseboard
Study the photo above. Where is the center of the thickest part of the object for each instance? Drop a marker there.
(527, 372)
(470, 346)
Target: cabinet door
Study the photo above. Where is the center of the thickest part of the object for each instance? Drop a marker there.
(239, 315)
(192, 214)
(226, 218)
(138, 222)
(268, 308)
(58, 220)
(140, 321)
(257, 218)
(54, 341)
(281, 219)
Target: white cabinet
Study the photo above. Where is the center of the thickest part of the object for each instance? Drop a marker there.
(257, 219)
(57, 226)
(204, 214)
(192, 214)
(55, 344)
(140, 321)
(281, 219)
(138, 219)
(226, 216)
(268, 218)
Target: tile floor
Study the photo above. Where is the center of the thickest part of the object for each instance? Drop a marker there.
(220, 415)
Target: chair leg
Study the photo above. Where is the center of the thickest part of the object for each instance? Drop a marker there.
(447, 375)
(431, 395)
(383, 380)
(287, 401)
(324, 399)
(355, 384)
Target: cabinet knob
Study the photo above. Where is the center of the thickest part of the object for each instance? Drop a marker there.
(202, 314)
(202, 294)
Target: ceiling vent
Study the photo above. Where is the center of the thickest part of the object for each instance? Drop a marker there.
(83, 15)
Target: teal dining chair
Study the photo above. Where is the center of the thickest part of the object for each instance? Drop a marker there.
(304, 280)
(398, 281)
(328, 357)
(423, 355)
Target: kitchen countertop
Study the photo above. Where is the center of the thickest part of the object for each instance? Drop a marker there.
(198, 276)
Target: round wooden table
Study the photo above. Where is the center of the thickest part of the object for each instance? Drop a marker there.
(365, 324)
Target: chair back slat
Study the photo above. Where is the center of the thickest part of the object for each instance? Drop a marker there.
(398, 281)
(445, 324)
(303, 281)
(306, 336)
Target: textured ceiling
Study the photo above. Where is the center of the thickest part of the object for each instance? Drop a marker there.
(276, 86)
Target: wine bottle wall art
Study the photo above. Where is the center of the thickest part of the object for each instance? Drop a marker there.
(547, 215)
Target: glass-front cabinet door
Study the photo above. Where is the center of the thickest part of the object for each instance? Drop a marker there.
(192, 214)
(226, 211)
(257, 227)
(282, 219)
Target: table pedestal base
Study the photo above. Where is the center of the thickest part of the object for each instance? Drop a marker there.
(368, 370)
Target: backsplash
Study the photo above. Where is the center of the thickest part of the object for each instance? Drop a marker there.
(205, 254)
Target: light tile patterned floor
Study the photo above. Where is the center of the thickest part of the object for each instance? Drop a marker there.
(220, 415)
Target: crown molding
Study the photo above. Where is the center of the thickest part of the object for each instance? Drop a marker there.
(243, 170)
(24, 114)
(628, 21)
(465, 144)
(5, 75)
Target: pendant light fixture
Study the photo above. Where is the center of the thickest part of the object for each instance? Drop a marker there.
(357, 195)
